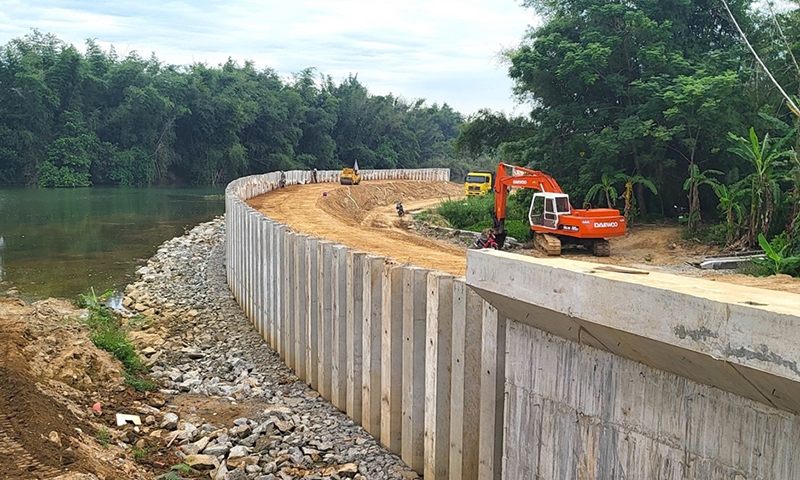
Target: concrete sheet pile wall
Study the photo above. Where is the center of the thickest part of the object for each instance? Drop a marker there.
(637, 376)
(399, 348)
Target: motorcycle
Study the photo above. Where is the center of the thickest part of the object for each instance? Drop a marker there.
(487, 241)
(400, 211)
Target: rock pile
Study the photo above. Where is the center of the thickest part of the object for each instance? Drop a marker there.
(201, 344)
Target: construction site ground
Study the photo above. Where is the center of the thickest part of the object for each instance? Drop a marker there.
(51, 374)
(364, 217)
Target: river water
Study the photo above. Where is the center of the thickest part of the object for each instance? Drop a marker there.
(60, 242)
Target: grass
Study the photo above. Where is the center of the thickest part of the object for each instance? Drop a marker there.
(175, 472)
(139, 454)
(103, 436)
(108, 333)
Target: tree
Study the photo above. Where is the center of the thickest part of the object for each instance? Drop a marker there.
(633, 86)
(691, 186)
(605, 187)
(765, 158)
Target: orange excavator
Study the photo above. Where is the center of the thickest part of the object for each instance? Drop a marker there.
(553, 219)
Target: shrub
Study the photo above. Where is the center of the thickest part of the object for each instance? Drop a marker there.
(464, 213)
(518, 229)
(108, 333)
(778, 258)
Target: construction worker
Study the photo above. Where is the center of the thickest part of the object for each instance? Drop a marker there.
(282, 181)
(314, 175)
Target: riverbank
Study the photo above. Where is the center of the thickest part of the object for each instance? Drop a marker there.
(226, 404)
(211, 362)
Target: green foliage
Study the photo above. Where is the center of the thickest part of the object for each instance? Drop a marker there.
(108, 333)
(474, 212)
(175, 471)
(779, 259)
(74, 120)
(103, 436)
(604, 189)
(138, 454)
(139, 382)
(467, 212)
(520, 230)
(766, 160)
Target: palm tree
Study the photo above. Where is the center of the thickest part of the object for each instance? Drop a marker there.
(765, 158)
(692, 186)
(731, 206)
(630, 181)
(606, 186)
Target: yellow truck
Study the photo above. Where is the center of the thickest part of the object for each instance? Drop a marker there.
(478, 183)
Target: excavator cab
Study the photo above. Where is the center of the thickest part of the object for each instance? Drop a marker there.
(546, 208)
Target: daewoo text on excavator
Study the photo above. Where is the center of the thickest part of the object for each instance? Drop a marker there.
(553, 219)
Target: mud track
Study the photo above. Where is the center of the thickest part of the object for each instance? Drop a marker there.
(363, 217)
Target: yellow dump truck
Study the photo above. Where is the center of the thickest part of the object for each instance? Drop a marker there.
(478, 183)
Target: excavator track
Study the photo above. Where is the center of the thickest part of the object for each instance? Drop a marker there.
(549, 244)
(601, 248)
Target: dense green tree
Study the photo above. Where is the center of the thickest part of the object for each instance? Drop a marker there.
(614, 85)
(72, 119)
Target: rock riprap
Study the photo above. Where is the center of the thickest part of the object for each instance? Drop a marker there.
(201, 344)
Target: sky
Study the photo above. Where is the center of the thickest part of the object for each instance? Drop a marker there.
(445, 51)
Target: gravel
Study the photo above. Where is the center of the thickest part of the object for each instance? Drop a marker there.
(211, 349)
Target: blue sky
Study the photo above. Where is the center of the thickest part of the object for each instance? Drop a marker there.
(446, 51)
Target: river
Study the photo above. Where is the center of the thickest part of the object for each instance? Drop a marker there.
(60, 242)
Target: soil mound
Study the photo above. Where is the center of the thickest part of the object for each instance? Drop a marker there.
(50, 375)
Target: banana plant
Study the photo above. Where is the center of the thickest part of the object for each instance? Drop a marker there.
(731, 207)
(692, 185)
(776, 260)
(605, 187)
(766, 158)
(630, 181)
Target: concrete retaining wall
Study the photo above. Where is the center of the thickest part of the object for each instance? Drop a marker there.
(528, 368)
(584, 401)
(398, 348)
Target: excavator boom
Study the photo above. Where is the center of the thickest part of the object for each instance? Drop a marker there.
(552, 217)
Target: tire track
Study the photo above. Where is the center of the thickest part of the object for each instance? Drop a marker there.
(25, 462)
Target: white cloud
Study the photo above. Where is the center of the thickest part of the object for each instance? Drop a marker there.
(444, 51)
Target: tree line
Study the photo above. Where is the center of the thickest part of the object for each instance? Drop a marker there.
(659, 107)
(75, 119)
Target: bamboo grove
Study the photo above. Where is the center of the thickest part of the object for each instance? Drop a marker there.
(73, 119)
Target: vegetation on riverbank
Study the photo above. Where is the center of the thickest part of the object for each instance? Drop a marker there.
(109, 334)
(74, 119)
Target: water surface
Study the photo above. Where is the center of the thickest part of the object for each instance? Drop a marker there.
(60, 242)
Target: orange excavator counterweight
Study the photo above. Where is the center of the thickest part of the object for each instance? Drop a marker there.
(553, 219)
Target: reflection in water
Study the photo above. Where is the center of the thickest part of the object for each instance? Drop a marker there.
(61, 242)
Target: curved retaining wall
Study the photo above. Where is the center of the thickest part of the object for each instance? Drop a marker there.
(402, 350)
(528, 368)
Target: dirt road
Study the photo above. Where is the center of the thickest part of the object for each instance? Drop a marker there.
(364, 217)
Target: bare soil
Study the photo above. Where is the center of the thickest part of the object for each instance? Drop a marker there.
(363, 217)
(50, 376)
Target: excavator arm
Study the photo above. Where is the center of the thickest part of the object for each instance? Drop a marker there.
(518, 178)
